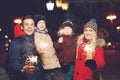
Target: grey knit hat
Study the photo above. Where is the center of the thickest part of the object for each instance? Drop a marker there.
(67, 23)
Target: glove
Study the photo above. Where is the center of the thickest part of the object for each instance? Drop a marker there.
(91, 64)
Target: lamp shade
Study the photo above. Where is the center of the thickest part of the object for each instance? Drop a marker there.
(50, 5)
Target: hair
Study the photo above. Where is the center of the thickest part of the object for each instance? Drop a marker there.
(26, 17)
(92, 43)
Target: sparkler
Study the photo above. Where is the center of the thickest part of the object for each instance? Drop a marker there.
(31, 60)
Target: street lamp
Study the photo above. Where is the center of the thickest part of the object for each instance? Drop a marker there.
(18, 20)
(118, 28)
(65, 5)
(58, 3)
(50, 5)
(0, 29)
(111, 17)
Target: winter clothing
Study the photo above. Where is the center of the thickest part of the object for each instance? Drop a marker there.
(84, 68)
(38, 17)
(66, 54)
(91, 64)
(67, 49)
(91, 24)
(67, 23)
(18, 31)
(49, 58)
(20, 48)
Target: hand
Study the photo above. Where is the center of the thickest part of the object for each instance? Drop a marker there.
(91, 64)
(60, 32)
(29, 69)
(60, 40)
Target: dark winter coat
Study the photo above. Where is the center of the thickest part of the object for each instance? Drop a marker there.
(66, 50)
(19, 48)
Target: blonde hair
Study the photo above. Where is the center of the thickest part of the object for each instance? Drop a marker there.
(91, 45)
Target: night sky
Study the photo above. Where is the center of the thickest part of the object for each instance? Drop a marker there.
(78, 12)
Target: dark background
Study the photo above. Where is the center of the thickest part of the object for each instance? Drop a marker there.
(80, 12)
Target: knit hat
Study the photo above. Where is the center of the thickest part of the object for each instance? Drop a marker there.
(67, 23)
(91, 24)
(38, 17)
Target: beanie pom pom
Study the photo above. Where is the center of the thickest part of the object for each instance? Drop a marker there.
(93, 20)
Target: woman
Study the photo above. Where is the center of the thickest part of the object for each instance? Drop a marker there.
(90, 51)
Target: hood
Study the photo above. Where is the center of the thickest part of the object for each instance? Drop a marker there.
(100, 42)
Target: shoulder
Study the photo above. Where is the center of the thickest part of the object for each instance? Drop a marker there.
(100, 42)
(18, 39)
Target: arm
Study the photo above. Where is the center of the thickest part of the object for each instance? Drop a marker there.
(99, 57)
(59, 43)
(17, 60)
(15, 55)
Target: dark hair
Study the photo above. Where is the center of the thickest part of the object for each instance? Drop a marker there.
(26, 17)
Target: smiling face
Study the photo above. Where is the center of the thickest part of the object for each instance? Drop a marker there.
(41, 25)
(28, 26)
(67, 31)
(89, 33)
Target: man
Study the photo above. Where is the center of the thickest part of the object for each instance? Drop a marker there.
(20, 51)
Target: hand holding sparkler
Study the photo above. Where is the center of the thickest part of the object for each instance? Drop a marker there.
(30, 64)
(28, 69)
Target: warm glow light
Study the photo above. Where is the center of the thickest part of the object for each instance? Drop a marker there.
(0, 29)
(50, 5)
(111, 17)
(6, 36)
(65, 5)
(58, 3)
(31, 60)
(9, 40)
(6, 49)
(118, 28)
(109, 44)
(18, 20)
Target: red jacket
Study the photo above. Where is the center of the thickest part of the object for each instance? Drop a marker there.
(82, 72)
(18, 31)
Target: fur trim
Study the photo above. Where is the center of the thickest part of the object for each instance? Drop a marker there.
(100, 42)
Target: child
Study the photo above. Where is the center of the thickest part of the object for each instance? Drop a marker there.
(66, 46)
(44, 46)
